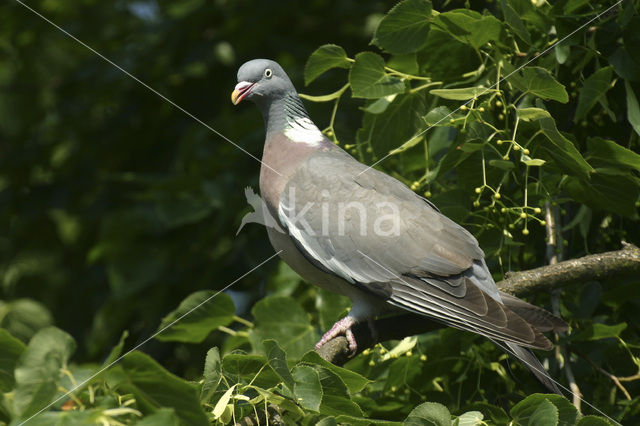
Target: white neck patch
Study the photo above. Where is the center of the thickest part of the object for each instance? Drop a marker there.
(302, 130)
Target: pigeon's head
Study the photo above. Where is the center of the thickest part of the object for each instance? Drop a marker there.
(261, 79)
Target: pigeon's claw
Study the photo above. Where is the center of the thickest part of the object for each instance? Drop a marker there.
(342, 327)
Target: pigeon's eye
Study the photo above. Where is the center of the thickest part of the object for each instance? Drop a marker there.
(268, 73)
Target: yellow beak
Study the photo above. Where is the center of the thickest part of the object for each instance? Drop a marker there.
(241, 90)
(235, 97)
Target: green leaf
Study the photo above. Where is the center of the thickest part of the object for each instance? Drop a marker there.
(380, 105)
(307, 388)
(598, 331)
(39, 369)
(535, 410)
(162, 417)
(438, 116)
(610, 152)
(470, 418)
(155, 388)
(221, 405)
(24, 317)
(469, 26)
(563, 151)
(323, 59)
(539, 82)
(462, 94)
(429, 414)
(335, 397)
(284, 320)
(593, 421)
(513, 20)
(212, 375)
(402, 371)
(593, 90)
(246, 368)
(505, 165)
(354, 381)
(116, 351)
(369, 80)
(277, 359)
(633, 110)
(399, 123)
(10, 351)
(624, 65)
(610, 192)
(405, 28)
(194, 324)
(532, 162)
(532, 114)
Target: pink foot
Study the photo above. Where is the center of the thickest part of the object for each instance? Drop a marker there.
(342, 327)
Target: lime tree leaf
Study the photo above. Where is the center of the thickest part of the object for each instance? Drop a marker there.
(532, 114)
(563, 152)
(369, 80)
(633, 110)
(470, 418)
(610, 192)
(354, 381)
(429, 414)
(155, 388)
(245, 368)
(534, 410)
(212, 375)
(593, 421)
(469, 26)
(399, 123)
(24, 317)
(505, 165)
(221, 405)
(196, 326)
(380, 105)
(323, 59)
(610, 152)
(461, 94)
(39, 369)
(438, 116)
(284, 320)
(539, 82)
(307, 388)
(624, 65)
(598, 331)
(594, 89)
(405, 28)
(277, 359)
(164, 416)
(364, 421)
(402, 372)
(335, 397)
(513, 20)
(10, 351)
(116, 351)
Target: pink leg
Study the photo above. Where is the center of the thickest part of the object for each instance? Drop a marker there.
(341, 327)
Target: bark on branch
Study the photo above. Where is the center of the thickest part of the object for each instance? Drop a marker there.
(614, 264)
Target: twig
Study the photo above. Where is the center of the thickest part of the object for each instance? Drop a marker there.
(554, 255)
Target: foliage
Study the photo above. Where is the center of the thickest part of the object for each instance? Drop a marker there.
(115, 207)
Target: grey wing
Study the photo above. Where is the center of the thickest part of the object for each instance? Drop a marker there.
(377, 234)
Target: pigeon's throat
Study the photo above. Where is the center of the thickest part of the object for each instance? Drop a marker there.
(289, 116)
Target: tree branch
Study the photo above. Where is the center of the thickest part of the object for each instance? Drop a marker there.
(604, 266)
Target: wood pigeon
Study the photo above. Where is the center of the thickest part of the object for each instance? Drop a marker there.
(361, 233)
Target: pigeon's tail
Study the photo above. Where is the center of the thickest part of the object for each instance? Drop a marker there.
(529, 359)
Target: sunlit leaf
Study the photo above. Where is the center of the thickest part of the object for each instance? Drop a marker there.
(197, 316)
(323, 59)
(405, 27)
(369, 80)
(429, 414)
(593, 89)
(539, 82)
